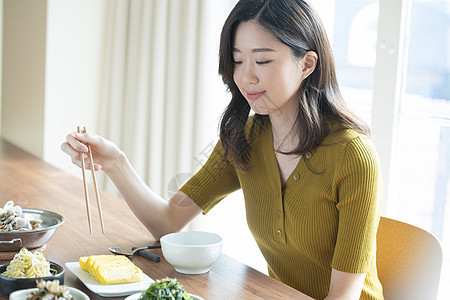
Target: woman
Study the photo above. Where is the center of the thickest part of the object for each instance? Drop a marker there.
(305, 163)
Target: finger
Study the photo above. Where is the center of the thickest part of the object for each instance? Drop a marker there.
(88, 138)
(69, 150)
(96, 142)
(87, 165)
(75, 140)
(97, 167)
(75, 156)
(76, 162)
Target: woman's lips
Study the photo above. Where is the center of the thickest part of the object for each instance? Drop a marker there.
(254, 95)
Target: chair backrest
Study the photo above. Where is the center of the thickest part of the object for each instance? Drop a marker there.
(409, 261)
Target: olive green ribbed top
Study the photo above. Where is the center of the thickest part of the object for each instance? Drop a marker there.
(325, 216)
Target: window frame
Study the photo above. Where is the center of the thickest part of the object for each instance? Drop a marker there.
(389, 85)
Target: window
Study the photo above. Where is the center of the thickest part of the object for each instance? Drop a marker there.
(354, 48)
(417, 156)
(421, 180)
(419, 187)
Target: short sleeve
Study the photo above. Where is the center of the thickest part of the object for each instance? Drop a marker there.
(213, 182)
(359, 194)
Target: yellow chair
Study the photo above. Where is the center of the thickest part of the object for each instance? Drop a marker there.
(409, 261)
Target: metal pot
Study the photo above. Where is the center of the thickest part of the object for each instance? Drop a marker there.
(15, 240)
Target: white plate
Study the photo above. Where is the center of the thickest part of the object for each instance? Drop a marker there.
(108, 290)
(24, 294)
(136, 296)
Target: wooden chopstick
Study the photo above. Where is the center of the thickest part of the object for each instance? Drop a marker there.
(86, 195)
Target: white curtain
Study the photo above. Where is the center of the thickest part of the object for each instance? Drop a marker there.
(149, 95)
(162, 98)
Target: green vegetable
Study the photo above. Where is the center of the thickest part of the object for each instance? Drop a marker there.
(165, 289)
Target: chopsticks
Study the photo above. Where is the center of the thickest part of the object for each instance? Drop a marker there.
(85, 185)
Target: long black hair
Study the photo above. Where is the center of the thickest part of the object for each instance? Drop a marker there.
(297, 25)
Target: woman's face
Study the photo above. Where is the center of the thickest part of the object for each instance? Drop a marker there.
(265, 70)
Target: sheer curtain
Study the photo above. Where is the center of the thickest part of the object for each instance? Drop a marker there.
(150, 79)
(162, 98)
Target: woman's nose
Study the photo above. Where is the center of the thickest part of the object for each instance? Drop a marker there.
(249, 74)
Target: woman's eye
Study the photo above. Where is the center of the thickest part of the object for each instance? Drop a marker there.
(264, 62)
(237, 62)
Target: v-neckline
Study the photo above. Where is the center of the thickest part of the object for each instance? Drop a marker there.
(272, 160)
(280, 169)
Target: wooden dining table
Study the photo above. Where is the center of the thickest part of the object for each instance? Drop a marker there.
(33, 183)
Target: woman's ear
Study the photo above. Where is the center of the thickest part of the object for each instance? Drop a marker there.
(309, 63)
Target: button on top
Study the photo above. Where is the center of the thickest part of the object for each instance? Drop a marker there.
(279, 214)
(296, 176)
(279, 233)
(308, 155)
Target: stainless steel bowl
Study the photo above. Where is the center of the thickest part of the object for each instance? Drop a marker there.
(15, 240)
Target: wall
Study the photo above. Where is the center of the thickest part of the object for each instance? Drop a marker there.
(51, 71)
(24, 29)
(74, 43)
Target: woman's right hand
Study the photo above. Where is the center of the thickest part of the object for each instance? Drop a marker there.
(105, 153)
(158, 215)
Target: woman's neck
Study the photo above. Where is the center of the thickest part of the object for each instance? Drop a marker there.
(284, 131)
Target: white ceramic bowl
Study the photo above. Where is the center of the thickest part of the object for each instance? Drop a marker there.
(191, 252)
(24, 294)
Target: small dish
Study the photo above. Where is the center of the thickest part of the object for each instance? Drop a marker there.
(137, 295)
(191, 252)
(24, 294)
(9, 284)
(108, 290)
